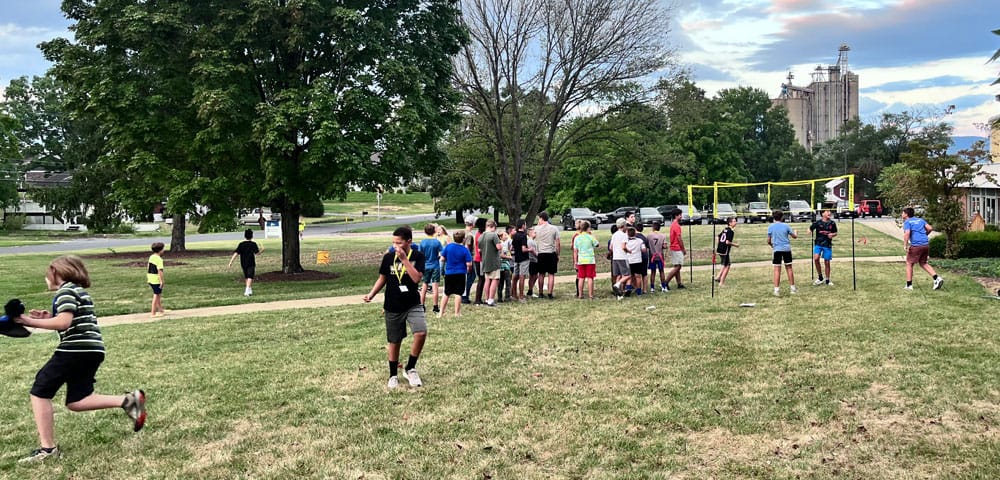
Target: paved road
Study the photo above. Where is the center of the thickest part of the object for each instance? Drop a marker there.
(110, 242)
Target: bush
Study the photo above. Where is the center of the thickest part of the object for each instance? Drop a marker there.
(13, 222)
(992, 228)
(970, 245)
(313, 209)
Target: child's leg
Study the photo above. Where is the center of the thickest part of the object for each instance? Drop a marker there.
(777, 275)
(96, 401)
(44, 421)
(435, 288)
(791, 276)
(927, 268)
(444, 304)
(590, 287)
(423, 293)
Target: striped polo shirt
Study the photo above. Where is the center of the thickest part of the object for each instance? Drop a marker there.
(83, 335)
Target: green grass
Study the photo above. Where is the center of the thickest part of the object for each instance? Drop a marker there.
(392, 204)
(829, 384)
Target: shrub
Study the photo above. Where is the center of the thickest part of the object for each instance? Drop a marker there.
(970, 245)
(992, 228)
(313, 209)
(937, 246)
(13, 222)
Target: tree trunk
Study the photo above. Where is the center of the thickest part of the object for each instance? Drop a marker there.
(458, 216)
(290, 261)
(177, 233)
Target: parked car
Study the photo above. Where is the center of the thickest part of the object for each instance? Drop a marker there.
(725, 211)
(569, 218)
(757, 212)
(686, 219)
(621, 212)
(839, 209)
(253, 217)
(797, 211)
(870, 208)
(648, 215)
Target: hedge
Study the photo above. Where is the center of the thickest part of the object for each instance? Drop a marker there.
(970, 245)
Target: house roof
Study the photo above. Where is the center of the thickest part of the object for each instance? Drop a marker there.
(833, 183)
(41, 178)
(981, 181)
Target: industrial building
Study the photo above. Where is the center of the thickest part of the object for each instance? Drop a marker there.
(819, 111)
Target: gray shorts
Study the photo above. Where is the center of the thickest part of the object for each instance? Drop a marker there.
(676, 257)
(522, 268)
(395, 323)
(620, 268)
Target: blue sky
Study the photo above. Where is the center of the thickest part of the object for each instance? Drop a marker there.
(909, 54)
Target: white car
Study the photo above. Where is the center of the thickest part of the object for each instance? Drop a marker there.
(253, 217)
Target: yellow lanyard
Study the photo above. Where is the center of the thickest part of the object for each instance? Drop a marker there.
(399, 269)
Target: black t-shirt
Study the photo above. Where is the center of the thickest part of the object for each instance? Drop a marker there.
(822, 228)
(248, 251)
(397, 301)
(727, 235)
(518, 240)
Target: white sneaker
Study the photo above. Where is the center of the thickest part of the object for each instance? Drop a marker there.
(938, 283)
(829, 283)
(818, 282)
(794, 290)
(908, 287)
(393, 383)
(414, 378)
(664, 289)
(777, 292)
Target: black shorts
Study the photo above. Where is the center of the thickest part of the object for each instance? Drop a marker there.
(637, 268)
(782, 257)
(724, 260)
(76, 370)
(478, 268)
(454, 284)
(548, 263)
(533, 268)
(249, 270)
(157, 288)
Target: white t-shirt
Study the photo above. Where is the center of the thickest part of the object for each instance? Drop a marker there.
(617, 242)
(635, 246)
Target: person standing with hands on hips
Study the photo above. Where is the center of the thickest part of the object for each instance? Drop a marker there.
(400, 273)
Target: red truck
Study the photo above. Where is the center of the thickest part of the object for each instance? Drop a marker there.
(870, 208)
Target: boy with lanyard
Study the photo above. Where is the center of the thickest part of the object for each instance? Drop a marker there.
(917, 246)
(76, 359)
(584, 258)
(724, 248)
(657, 242)
(401, 272)
(247, 251)
(778, 235)
(823, 232)
(431, 248)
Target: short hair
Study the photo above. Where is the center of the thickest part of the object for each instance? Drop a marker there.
(481, 224)
(676, 212)
(778, 215)
(629, 213)
(404, 232)
(620, 223)
(585, 225)
(470, 219)
(731, 220)
(656, 224)
(521, 223)
(459, 236)
(491, 223)
(429, 229)
(156, 247)
(544, 215)
(630, 232)
(614, 229)
(248, 234)
(638, 227)
(70, 268)
(909, 212)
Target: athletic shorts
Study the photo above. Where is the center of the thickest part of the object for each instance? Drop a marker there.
(781, 257)
(432, 275)
(918, 254)
(157, 288)
(395, 323)
(76, 370)
(656, 263)
(637, 268)
(676, 257)
(588, 270)
(522, 269)
(724, 260)
(620, 268)
(249, 271)
(454, 284)
(493, 275)
(478, 268)
(533, 268)
(548, 263)
(826, 253)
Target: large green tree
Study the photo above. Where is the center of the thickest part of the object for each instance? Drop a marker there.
(10, 157)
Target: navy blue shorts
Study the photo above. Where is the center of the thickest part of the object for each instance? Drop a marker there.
(157, 288)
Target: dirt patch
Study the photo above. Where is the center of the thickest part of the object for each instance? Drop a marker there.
(166, 255)
(306, 276)
(991, 284)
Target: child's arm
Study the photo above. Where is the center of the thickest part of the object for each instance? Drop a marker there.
(159, 271)
(230, 260)
(375, 288)
(44, 319)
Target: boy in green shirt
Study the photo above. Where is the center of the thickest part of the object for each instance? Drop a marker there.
(583, 256)
(154, 276)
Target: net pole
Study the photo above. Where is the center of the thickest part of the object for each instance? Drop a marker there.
(854, 269)
(713, 260)
(690, 258)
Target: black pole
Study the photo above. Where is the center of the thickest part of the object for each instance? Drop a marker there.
(713, 260)
(812, 252)
(854, 270)
(690, 258)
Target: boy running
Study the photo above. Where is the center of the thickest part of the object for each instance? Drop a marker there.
(247, 250)
(401, 272)
(724, 249)
(154, 276)
(823, 232)
(917, 246)
(778, 235)
(77, 357)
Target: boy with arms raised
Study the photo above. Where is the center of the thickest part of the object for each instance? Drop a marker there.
(778, 235)
(401, 272)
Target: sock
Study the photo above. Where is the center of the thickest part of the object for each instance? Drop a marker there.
(909, 284)
(935, 277)
(124, 402)
(48, 450)
(628, 288)
(638, 291)
(393, 368)
(827, 280)
(821, 277)
(411, 363)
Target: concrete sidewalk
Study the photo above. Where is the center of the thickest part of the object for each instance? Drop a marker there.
(357, 299)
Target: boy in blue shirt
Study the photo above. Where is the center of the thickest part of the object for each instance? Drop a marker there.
(778, 235)
(457, 263)
(917, 246)
(431, 248)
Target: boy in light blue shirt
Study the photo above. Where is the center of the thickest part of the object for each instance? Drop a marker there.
(778, 237)
(916, 242)
(431, 248)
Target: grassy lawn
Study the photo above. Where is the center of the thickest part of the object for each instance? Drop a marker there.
(392, 204)
(820, 385)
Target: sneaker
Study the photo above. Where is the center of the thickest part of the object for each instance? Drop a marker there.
(393, 383)
(829, 283)
(628, 293)
(553, 298)
(908, 287)
(466, 301)
(619, 297)
(414, 378)
(436, 309)
(534, 295)
(793, 289)
(439, 314)
(818, 282)
(681, 287)
(616, 289)
(135, 406)
(938, 283)
(158, 314)
(41, 454)
(716, 279)
(777, 292)
(664, 289)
